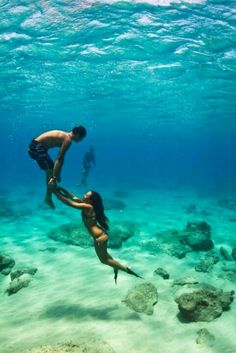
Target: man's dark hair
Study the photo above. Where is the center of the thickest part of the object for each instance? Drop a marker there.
(79, 130)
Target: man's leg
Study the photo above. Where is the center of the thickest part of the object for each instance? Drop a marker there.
(48, 197)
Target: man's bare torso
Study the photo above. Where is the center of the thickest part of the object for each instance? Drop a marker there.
(54, 138)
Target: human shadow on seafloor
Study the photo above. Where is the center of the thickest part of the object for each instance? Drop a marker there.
(78, 312)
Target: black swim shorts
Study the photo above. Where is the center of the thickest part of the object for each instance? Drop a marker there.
(40, 154)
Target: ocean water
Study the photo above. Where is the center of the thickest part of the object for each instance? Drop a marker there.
(154, 83)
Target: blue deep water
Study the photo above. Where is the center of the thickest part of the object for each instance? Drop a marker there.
(154, 83)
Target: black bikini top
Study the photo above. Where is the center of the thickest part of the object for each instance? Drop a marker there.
(89, 217)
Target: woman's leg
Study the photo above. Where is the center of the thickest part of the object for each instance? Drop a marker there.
(105, 257)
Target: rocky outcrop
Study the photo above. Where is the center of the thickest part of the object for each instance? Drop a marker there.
(225, 254)
(142, 298)
(21, 271)
(18, 283)
(76, 234)
(73, 234)
(20, 278)
(162, 273)
(197, 235)
(6, 264)
(205, 304)
(167, 242)
(207, 262)
(122, 231)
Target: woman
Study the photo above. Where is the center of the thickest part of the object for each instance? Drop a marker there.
(95, 221)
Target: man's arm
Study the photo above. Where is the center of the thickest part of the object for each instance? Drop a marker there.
(60, 159)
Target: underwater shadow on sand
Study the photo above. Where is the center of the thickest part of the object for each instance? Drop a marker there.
(78, 312)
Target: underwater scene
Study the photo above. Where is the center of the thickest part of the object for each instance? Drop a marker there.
(118, 176)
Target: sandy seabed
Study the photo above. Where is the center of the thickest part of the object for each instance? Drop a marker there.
(73, 298)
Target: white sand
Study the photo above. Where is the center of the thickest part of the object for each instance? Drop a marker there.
(73, 296)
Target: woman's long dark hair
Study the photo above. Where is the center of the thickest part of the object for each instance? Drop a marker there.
(96, 202)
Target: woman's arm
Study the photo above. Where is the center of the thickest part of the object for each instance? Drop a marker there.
(62, 195)
(68, 194)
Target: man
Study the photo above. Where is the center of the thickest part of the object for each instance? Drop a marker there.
(88, 161)
(38, 150)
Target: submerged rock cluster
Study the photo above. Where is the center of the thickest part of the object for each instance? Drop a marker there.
(74, 234)
(207, 262)
(71, 233)
(20, 278)
(196, 236)
(6, 264)
(205, 304)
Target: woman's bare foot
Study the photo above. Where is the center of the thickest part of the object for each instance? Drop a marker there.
(129, 271)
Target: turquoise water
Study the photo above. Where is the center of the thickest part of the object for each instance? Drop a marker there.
(154, 83)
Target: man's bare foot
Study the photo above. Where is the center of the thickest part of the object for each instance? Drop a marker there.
(50, 203)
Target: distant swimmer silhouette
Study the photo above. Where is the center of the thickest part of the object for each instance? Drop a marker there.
(88, 162)
(95, 221)
(38, 150)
